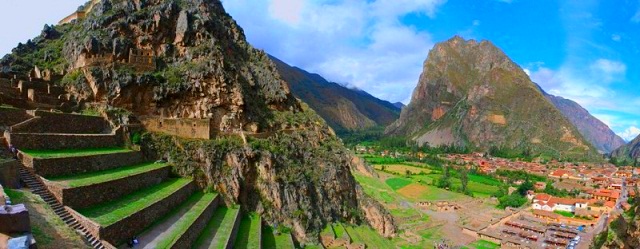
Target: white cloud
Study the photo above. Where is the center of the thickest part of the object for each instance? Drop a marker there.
(288, 11)
(476, 22)
(616, 37)
(630, 133)
(636, 18)
(608, 71)
(360, 43)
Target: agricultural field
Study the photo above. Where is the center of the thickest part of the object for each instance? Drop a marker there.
(421, 227)
(482, 244)
(479, 185)
(401, 169)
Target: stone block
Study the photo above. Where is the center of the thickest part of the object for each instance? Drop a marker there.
(9, 174)
(51, 167)
(85, 196)
(14, 219)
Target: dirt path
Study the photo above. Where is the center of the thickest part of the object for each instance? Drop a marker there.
(450, 230)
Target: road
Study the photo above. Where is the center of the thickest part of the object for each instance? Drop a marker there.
(603, 221)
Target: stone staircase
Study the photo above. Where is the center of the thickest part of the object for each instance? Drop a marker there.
(37, 187)
(86, 183)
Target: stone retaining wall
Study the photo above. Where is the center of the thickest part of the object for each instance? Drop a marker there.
(49, 122)
(133, 225)
(39, 141)
(189, 236)
(234, 232)
(9, 174)
(11, 116)
(49, 167)
(183, 127)
(85, 196)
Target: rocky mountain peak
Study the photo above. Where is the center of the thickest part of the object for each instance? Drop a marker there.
(471, 94)
(189, 59)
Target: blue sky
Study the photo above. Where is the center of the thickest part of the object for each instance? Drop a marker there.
(587, 51)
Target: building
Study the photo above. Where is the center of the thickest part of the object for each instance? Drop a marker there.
(606, 194)
(550, 203)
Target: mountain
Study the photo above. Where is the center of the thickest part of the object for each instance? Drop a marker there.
(188, 59)
(471, 94)
(628, 151)
(594, 130)
(400, 105)
(343, 108)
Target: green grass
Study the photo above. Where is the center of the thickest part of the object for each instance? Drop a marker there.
(15, 196)
(107, 175)
(484, 180)
(328, 231)
(398, 183)
(44, 154)
(339, 230)
(109, 213)
(270, 240)
(218, 231)
(483, 244)
(201, 201)
(366, 235)
(564, 213)
(249, 232)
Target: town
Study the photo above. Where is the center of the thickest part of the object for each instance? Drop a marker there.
(564, 204)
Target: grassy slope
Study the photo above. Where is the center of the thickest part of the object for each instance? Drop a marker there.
(366, 235)
(47, 228)
(219, 229)
(109, 213)
(107, 175)
(248, 232)
(275, 241)
(201, 201)
(398, 183)
(73, 153)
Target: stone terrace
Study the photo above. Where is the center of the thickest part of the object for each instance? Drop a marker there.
(110, 193)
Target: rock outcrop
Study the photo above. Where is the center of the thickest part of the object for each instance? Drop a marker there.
(471, 94)
(594, 130)
(189, 59)
(343, 108)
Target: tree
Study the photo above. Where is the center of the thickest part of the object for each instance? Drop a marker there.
(525, 187)
(512, 200)
(464, 178)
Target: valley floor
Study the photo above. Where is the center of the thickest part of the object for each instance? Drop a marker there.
(427, 215)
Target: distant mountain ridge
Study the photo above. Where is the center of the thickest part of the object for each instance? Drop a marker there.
(470, 93)
(628, 151)
(344, 109)
(594, 130)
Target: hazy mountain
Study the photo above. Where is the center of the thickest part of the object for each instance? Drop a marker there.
(594, 130)
(344, 109)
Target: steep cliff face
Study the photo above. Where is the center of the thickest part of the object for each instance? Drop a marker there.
(470, 93)
(189, 59)
(628, 151)
(343, 108)
(623, 232)
(594, 130)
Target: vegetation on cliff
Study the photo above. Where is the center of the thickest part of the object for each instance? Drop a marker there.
(189, 59)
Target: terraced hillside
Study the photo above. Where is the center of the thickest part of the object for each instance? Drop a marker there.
(186, 60)
(110, 194)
